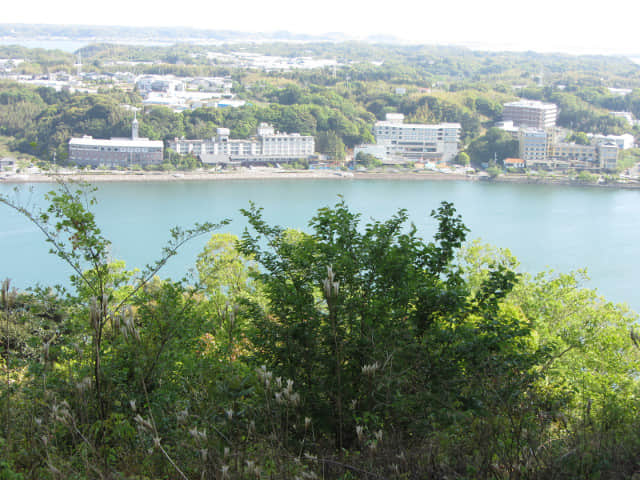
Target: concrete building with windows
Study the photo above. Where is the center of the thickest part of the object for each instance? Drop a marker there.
(116, 152)
(540, 149)
(535, 146)
(608, 156)
(267, 146)
(530, 113)
(398, 142)
(573, 155)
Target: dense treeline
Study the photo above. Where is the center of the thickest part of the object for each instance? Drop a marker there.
(42, 121)
(350, 350)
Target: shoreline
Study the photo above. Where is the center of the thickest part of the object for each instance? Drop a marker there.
(270, 174)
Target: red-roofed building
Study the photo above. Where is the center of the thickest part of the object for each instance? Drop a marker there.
(514, 163)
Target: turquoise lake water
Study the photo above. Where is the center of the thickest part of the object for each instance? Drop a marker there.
(546, 227)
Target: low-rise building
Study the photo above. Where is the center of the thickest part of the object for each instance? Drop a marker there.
(514, 163)
(116, 152)
(573, 155)
(623, 142)
(7, 163)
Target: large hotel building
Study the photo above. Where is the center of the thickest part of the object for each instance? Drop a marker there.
(268, 146)
(399, 142)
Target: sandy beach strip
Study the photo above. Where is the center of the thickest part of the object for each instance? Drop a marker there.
(253, 174)
(280, 174)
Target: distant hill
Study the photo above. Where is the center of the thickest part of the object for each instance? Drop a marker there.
(97, 33)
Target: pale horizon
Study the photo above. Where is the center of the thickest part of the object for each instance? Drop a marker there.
(544, 26)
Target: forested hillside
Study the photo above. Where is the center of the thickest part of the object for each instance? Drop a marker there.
(338, 105)
(351, 350)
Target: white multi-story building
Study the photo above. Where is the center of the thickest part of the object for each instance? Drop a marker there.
(116, 152)
(535, 146)
(268, 146)
(530, 113)
(399, 142)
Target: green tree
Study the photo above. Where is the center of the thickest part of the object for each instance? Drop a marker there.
(494, 144)
(579, 138)
(347, 304)
(70, 229)
(330, 144)
(462, 159)
(368, 160)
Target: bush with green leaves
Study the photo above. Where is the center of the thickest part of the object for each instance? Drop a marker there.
(350, 350)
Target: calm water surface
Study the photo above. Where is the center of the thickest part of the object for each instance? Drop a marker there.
(544, 226)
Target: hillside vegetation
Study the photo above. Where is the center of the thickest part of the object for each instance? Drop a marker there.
(351, 350)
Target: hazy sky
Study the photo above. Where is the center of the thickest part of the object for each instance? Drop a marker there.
(544, 25)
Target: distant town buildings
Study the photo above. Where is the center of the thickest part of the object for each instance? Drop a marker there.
(183, 93)
(530, 113)
(267, 146)
(8, 64)
(176, 93)
(398, 142)
(628, 116)
(116, 152)
(619, 91)
(268, 63)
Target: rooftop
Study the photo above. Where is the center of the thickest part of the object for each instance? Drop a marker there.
(88, 141)
(529, 104)
(418, 125)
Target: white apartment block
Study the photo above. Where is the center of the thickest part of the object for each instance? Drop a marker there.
(399, 142)
(530, 113)
(268, 146)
